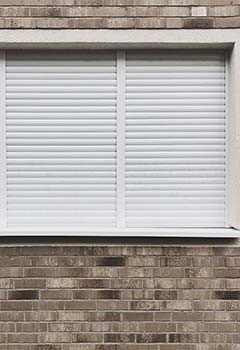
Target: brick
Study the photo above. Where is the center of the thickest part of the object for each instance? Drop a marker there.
(81, 294)
(142, 261)
(55, 294)
(106, 294)
(104, 316)
(227, 22)
(25, 338)
(119, 338)
(23, 294)
(137, 294)
(87, 338)
(16, 305)
(39, 272)
(111, 261)
(199, 11)
(47, 347)
(62, 283)
(151, 338)
(41, 315)
(29, 283)
(224, 11)
(226, 294)
(31, 327)
(162, 316)
(201, 23)
(137, 316)
(166, 295)
(94, 283)
(183, 338)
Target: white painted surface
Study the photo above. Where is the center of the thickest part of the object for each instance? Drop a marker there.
(3, 153)
(175, 139)
(61, 160)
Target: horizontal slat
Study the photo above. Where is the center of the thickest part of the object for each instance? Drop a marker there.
(176, 82)
(59, 82)
(62, 115)
(60, 69)
(56, 193)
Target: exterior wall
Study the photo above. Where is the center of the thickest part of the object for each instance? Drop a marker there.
(120, 14)
(121, 296)
(117, 297)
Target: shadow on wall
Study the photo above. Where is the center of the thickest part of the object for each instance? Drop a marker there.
(15, 240)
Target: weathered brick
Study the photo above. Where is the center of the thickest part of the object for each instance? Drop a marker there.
(183, 338)
(227, 294)
(189, 23)
(151, 338)
(111, 261)
(106, 294)
(165, 295)
(23, 294)
(137, 316)
(104, 316)
(55, 294)
(61, 283)
(87, 338)
(119, 338)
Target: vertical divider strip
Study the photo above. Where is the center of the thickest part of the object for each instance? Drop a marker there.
(226, 69)
(121, 63)
(3, 145)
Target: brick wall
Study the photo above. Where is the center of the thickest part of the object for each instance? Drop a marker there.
(119, 14)
(121, 297)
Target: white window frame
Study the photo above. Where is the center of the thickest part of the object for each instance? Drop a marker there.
(228, 39)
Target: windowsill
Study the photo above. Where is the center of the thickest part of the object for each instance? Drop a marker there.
(129, 232)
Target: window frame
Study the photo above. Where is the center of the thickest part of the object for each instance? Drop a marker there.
(115, 39)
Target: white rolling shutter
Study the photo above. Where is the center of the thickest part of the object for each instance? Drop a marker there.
(114, 139)
(175, 139)
(61, 138)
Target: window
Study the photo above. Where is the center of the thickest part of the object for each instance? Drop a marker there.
(114, 139)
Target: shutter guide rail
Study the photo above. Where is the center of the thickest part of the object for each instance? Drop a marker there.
(3, 146)
(121, 68)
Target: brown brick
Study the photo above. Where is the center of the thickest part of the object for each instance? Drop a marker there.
(104, 316)
(119, 338)
(87, 338)
(16, 305)
(227, 294)
(151, 338)
(30, 283)
(31, 327)
(165, 295)
(183, 338)
(137, 316)
(23, 294)
(81, 294)
(94, 283)
(198, 23)
(111, 261)
(47, 347)
(55, 294)
(38, 272)
(106, 294)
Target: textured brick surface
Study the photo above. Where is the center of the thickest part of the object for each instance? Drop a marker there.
(119, 14)
(119, 297)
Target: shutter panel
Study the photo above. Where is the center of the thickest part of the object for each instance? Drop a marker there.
(175, 139)
(61, 138)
